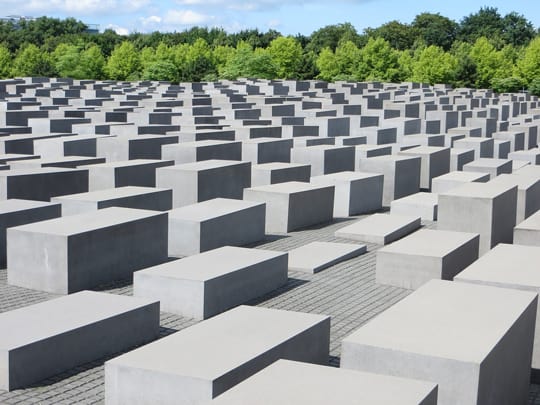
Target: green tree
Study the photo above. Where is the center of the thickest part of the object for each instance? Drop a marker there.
(466, 71)
(517, 30)
(31, 61)
(399, 36)
(330, 37)
(123, 62)
(91, 63)
(5, 62)
(66, 60)
(434, 65)
(327, 65)
(487, 22)
(378, 61)
(162, 70)
(286, 54)
(490, 63)
(434, 29)
(528, 67)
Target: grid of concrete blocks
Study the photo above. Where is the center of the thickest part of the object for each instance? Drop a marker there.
(223, 204)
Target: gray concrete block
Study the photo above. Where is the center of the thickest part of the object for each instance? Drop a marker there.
(484, 208)
(475, 342)
(214, 223)
(274, 173)
(354, 192)
(144, 198)
(74, 253)
(210, 283)
(528, 196)
(96, 322)
(198, 363)
(460, 157)
(457, 178)
(325, 159)
(425, 255)
(509, 266)
(483, 147)
(189, 152)
(293, 205)
(435, 161)
(528, 231)
(380, 228)
(493, 167)
(289, 383)
(201, 181)
(423, 205)
(267, 150)
(317, 256)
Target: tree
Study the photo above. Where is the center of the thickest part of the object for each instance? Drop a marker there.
(378, 61)
(31, 61)
(91, 63)
(399, 36)
(434, 29)
(517, 30)
(487, 22)
(66, 60)
(286, 54)
(327, 65)
(331, 35)
(528, 67)
(434, 65)
(123, 62)
(490, 63)
(466, 72)
(162, 70)
(5, 62)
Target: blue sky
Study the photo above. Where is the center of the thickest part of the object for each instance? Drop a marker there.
(288, 17)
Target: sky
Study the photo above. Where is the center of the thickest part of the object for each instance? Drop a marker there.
(287, 17)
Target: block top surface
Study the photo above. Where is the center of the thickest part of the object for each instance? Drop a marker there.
(211, 264)
(464, 151)
(523, 182)
(292, 382)
(473, 139)
(211, 209)
(214, 347)
(458, 321)
(197, 144)
(532, 223)
(127, 163)
(40, 321)
(506, 265)
(256, 141)
(278, 166)
(380, 224)
(76, 224)
(424, 150)
(38, 170)
(206, 165)
(488, 162)
(109, 194)
(462, 176)
(429, 242)
(289, 187)
(343, 177)
(420, 198)
(315, 254)
(529, 170)
(14, 205)
(478, 190)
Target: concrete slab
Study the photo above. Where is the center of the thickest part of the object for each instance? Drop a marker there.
(421, 204)
(494, 167)
(455, 179)
(528, 231)
(380, 228)
(274, 173)
(199, 363)
(475, 342)
(317, 256)
(425, 255)
(210, 283)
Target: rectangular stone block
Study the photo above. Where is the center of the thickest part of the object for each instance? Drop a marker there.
(425, 255)
(325, 159)
(189, 152)
(455, 179)
(401, 175)
(483, 147)
(293, 205)
(267, 150)
(528, 195)
(214, 223)
(380, 228)
(317, 256)
(201, 362)
(493, 167)
(144, 198)
(42, 184)
(74, 253)
(138, 172)
(288, 382)
(484, 208)
(475, 342)
(34, 350)
(509, 266)
(532, 156)
(121, 148)
(201, 181)
(423, 205)
(212, 282)
(274, 173)
(354, 192)
(435, 161)
(460, 157)
(21, 212)
(528, 231)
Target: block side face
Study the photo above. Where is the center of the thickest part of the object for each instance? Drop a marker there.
(184, 237)
(37, 261)
(407, 177)
(224, 182)
(235, 229)
(460, 258)
(42, 359)
(244, 284)
(505, 373)
(154, 201)
(366, 195)
(114, 253)
(310, 345)
(504, 217)
(406, 270)
(311, 207)
(277, 209)
(457, 381)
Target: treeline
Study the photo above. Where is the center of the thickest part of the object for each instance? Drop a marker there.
(483, 50)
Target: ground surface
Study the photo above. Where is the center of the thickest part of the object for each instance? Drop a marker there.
(347, 292)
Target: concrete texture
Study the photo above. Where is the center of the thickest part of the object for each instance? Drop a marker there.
(317, 256)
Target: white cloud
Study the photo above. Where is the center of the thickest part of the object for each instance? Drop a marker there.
(73, 7)
(273, 24)
(118, 30)
(185, 17)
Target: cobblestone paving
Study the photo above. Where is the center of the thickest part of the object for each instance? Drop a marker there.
(347, 292)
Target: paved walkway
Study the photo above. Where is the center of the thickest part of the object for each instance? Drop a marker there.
(347, 292)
